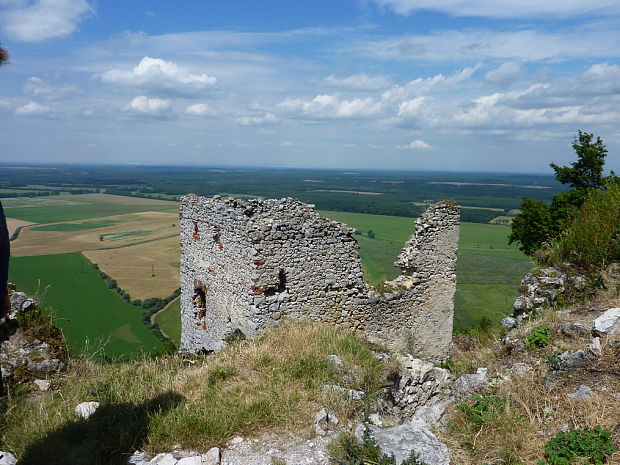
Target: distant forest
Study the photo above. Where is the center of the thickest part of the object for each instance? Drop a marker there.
(398, 193)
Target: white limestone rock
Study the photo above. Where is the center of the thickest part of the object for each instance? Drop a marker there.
(212, 457)
(401, 440)
(139, 458)
(509, 322)
(21, 303)
(325, 420)
(595, 347)
(164, 459)
(86, 409)
(42, 384)
(468, 385)
(609, 322)
(6, 458)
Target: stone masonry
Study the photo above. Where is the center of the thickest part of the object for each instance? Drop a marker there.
(247, 264)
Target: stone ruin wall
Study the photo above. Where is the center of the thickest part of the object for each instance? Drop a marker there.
(245, 265)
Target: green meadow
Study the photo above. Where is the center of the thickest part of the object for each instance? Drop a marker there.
(488, 269)
(169, 320)
(70, 208)
(90, 315)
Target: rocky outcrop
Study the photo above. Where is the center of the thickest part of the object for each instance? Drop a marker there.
(23, 356)
(608, 323)
(402, 440)
(541, 289)
(419, 385)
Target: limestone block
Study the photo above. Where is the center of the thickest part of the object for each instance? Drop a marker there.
(86, 409)
(609, 322)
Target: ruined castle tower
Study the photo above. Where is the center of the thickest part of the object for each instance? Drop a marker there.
(247, 264)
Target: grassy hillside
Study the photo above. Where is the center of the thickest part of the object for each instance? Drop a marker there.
(269, 384)
(88, 312)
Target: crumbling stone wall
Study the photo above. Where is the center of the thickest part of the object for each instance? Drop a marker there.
(247, 264)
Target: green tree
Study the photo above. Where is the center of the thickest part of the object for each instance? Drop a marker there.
(587, 171)
(532, 226)
(537, 223)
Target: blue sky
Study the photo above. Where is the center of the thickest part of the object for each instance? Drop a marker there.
(477, 85)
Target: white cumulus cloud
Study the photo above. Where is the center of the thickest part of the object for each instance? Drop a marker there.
(160, 75)
(33, 108)
(39, 20)
(415, 145)
(332, 106)
(358, 82)
(150, 106)
(199, 109)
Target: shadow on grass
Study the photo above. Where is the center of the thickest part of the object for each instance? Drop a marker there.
(108, 436)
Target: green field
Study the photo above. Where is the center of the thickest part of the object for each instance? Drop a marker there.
(70, 208)
(169, 320)
(488, 269)
(88, 312)
(379, 253)
(77, 226)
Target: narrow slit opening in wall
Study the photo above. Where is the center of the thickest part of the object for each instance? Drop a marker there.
(200, 297)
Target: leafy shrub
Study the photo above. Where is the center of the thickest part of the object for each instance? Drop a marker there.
(482, 408)
(348, 450)
(577, 445)
(538, 338)
(593, 239)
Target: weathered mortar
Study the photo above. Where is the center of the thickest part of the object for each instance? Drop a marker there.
(247, 264)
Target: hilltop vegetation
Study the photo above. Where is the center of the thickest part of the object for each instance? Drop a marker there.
(538, 223)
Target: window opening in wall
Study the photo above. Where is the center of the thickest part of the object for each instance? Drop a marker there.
(200, 303)
(279, 287)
